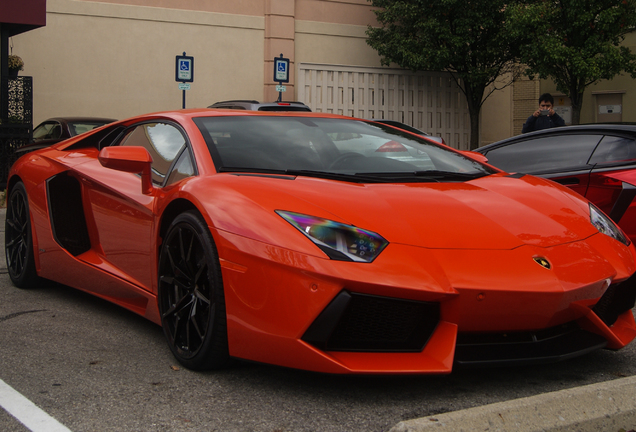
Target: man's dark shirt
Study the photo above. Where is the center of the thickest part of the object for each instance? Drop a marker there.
(542, 122)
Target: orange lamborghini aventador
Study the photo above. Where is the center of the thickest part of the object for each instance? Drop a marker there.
(320, 242)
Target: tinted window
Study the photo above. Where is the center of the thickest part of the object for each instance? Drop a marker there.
(163, 142)
(545, 154)
(56, 132)
(614, 149)
(43, 131)
(81, 127)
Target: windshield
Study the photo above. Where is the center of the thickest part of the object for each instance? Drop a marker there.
(334, 148)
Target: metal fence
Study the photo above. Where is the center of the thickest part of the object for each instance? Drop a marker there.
(16, 120)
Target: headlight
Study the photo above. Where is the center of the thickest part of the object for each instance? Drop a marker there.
(339, 241)
(606, 226)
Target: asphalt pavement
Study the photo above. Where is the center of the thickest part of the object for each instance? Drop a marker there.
(605, 406)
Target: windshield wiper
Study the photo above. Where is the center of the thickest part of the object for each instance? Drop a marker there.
(431, 175)
(448, 175)
(357, 178)
(363, 178)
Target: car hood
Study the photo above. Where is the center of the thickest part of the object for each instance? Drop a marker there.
(494, 212)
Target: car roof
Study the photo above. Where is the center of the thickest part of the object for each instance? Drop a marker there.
(261, 106)
(584, 128)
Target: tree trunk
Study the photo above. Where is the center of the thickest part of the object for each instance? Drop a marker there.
(473, 98)
(474, 129)
(577, 103)
(576, 97)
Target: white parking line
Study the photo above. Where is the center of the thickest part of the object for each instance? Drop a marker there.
(26, 412)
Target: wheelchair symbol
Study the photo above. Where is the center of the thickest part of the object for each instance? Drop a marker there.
(281, 67)
(184, 65)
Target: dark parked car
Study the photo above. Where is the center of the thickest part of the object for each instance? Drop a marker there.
(596, 160)
(58, 129)
(253, 105)
(408, 128)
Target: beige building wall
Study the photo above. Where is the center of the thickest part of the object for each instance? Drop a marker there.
(336, 44)
(496, 119)
(114, 60)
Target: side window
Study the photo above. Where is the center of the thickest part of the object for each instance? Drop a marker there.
(45, 131)
(614, 149)
(56, 132)
(163, 142)
(542, 155)
(182, 169)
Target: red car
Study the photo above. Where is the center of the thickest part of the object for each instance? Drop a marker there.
(320, 242)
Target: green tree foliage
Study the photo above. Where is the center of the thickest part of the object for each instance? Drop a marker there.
(467, 38)
(576, 43)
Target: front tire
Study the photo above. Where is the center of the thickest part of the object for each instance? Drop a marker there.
(191, 298)
(18, 241)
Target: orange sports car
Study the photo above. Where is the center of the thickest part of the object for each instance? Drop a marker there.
(320, 242)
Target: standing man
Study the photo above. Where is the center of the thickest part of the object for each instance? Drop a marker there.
(544, 117)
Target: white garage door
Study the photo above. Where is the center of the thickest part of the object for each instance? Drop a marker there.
(429, 101)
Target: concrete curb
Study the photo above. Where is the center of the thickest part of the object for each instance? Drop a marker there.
(607, 406)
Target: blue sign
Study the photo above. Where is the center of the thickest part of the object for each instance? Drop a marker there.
(184, 69)
(281, 69)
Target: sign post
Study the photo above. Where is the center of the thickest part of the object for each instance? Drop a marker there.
(184, 74)
(281, 74)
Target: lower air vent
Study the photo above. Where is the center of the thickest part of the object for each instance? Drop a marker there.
(360, 322)
(617, 299)
(520, 348)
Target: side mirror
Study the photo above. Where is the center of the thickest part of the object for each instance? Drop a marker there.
(474, 155)
(132, 159)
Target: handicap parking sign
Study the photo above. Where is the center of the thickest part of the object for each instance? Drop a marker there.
(281, 69)
(184, 69)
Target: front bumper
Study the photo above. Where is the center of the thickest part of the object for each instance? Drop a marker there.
(361, 323)
(417, 310)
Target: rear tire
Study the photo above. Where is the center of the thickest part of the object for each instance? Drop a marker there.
(191, 298)
(18, 243)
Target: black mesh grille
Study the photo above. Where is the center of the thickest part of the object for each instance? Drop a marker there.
(372, 323)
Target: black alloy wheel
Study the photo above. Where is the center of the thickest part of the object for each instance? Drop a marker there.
(18, 241)
(191, 299)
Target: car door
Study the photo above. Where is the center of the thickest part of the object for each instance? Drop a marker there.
(123, 216)
(613, 176)
(563, 158)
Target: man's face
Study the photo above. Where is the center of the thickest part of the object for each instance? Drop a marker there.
(544, 105)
